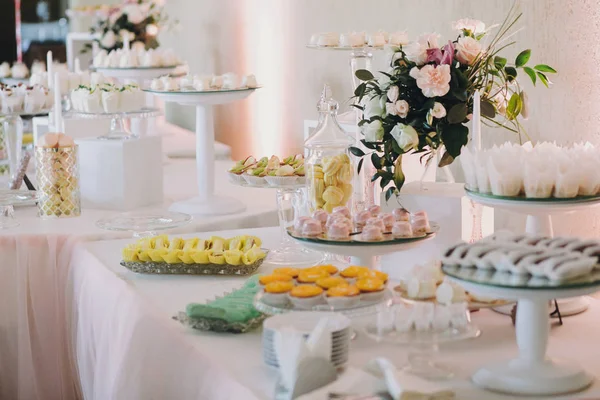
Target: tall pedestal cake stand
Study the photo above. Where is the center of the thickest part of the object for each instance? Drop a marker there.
(531, 373)
(539, 222)
(206, 203)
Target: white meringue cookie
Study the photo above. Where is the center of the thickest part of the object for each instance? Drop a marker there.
(216, 82)
(202, 83)
(19, 71)
(4, 70)
(100, 59)
(230, 81)
(156, 84)
(249, 81)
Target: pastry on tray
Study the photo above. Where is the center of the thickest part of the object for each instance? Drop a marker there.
(239, 255)
(268, 171)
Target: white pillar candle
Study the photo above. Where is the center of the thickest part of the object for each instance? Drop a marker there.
(57, 104)
(95, 48)
(476, 126)
(77, 67)
(49, 68)
(126, 45)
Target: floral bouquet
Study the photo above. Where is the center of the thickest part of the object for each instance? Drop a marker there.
(138, 20)
(421, 105)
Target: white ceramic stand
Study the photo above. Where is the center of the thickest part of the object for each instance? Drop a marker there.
(531, 373)
(138, 74)
(539, 223)
(206, 203)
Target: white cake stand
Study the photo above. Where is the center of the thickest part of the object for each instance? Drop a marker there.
(207, 203)
(363, 253)
(539, 222)
(531, 373)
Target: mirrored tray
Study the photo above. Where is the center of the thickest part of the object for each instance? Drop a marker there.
(548, 200)
(100, 69)
(504, 279)
(17, 197)
(145, 112)
(197, 92)
(344, 48)
(361, 309)
(144, 223)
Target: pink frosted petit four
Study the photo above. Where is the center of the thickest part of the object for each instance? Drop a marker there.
(312, 227)
(371, 233)
(299, 223)
(374, 210)
(388, 221)
(361, 218)
(338, 230)
(420, 224)
(321, 216)
(374, 221)
(402, 229)
(341, 210)
(401, 214)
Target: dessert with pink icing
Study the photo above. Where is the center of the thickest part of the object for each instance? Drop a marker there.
(338, 230)
(420, 224)
(374, 210)
(341, 210)
(338, 218)
(374, 221)
(371, 233)
(321, 216)
(361, 218)
(388, 221)
(312, 227)
(402, 229)
(299, 223)
(401, 214)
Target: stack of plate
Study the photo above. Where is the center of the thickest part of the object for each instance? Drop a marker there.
(337, 324)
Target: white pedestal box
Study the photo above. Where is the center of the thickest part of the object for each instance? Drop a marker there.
(121, 174)
(447, 205)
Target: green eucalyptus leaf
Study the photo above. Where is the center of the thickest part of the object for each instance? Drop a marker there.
(545, 68)
(389, 193)
(446, 159)
(357, 152)
(364, 75)
(544, 79)
(458, 113)
(487, 109)
(499, 62)
(398, 173)
(523, 58)
(376, 160)
(529, 71)
(511, 73)
(360, 163)
(513, 109)
(455, 136)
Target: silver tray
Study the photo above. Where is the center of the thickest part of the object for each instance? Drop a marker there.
(219, 325)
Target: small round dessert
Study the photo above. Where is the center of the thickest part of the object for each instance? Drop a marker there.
(374, 210)
(371, 289)
(284, 176)
(421, 289)
(361, 218)
(266, 279)
(276, 293)
(331, 269)
(331, 281)
(311, 275)
(401, 214)
(293, 272)
(343, 296)
(371, 233)
(388, 221)
(321, 216)
(338, 231)
(299, 223)
(352, 271)
(375, 221)
(402, 229)
(372, 273)
(306, 296)
(420, 224)
(341, 210)
(312, 227)
(448, 293)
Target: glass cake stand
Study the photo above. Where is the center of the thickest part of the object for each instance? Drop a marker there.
(119, 129)
(144, 223)
(539, 222)
(138, 74)
(10, 198)
(531, 373)
(206, 203)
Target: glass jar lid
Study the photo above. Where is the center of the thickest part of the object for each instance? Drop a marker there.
(328, 133)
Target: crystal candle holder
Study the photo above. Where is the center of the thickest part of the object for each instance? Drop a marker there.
(58, 182)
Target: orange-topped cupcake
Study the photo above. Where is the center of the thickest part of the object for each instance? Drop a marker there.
(306, 296)
(343, 296)
(332, 269)
(274, 278)
(311, 275)
(275, 293)
(371, 273)
(353, 271)
(293, 272)
(372, 289)
(331, 281)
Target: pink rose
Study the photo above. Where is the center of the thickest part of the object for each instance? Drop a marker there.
(474, 26)
(467, 50)
(432, 80)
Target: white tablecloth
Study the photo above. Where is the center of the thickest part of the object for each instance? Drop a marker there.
(129, 348)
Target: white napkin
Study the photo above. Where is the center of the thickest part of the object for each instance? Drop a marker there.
(380, 375)
(291, 348)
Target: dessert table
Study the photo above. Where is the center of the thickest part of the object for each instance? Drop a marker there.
(124, 337)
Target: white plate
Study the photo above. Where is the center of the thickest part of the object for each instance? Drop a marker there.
(305, 322)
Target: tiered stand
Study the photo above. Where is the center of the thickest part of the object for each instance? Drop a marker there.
(206, 203)
(539, 222)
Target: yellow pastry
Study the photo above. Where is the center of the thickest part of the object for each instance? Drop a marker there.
(130, 254)
(370, 285)
(343, 291)
(158, 254)
(176, 244)
(331, 281)
(233, 257)
(293, 272)
(279, 287)
(311, 276)
(143, 255)
(265, 279)
(190, 244)
(371, 273)
(332, 269)
(352, 271)
(172, 257)
(253, 255)
(200, 257)
(216, 257)
(186, 256)
(305, 291)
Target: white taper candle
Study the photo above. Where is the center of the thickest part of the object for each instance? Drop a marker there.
(126, 45)
(49, 68)
(476, 134)
(57, 104)
(77, 67)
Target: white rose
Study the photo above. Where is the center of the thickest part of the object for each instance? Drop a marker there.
(373, 131)
(402, 108)
(467, 50)
(438, 111)
(393, 93)
(109, 40)
(417, 51)
(406, 136)
(134, 13)
(123, 33)
(375, 107)
(472, 25)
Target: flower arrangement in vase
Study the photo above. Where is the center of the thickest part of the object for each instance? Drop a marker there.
(138, 20)
(421, 105)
